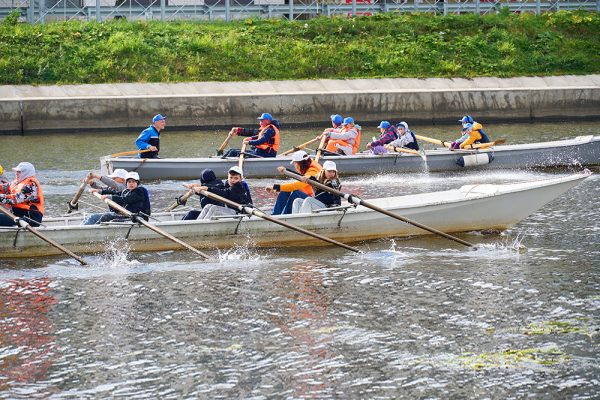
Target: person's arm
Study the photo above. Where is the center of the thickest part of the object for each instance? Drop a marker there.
(473, 137)
(110, 192)
(28, 193)
(349, 134)
(268, 134)
(110, 183)
(246, 132)
(142, 142)
(387, 137)
(134, 196)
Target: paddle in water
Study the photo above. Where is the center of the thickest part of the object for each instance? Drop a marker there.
(359, 202)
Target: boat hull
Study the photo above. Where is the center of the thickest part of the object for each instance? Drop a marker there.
(472, 207)
(581, 151)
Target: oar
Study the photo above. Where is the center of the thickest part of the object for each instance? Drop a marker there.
(321, 148)
(148, 225)
(129, 153)
(253, 211)
(23, 224)
(434, 141)
(184, 198)
(227, 139)
(242, 155)
(485, 145)
(300, 146)
(420, 153)
(73, 204)
(359, 202)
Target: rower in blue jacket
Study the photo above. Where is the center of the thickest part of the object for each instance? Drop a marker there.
(149, 139)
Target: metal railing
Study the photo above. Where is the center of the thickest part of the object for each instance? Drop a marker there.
(40, 11)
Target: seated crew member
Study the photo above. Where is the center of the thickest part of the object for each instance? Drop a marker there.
(208, 179)
(406, 137)
(149, 139)
(336, 124)
(346, 141)
(288, 192)
(134, 198)
(388, 134)
(322, 199)
(23, 196)
(477, 130)
(264, 139)
(234, 189)
(470, 136)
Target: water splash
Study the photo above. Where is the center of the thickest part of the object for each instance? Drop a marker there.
(116, 254)
(238, 253)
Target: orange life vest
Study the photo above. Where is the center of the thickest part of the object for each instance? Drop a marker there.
(26, 205)
(313, 170)
(331, 145)
(268, 146)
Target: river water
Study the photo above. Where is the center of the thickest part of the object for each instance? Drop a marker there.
(409, 318)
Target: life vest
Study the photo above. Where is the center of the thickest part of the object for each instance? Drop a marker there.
(331, 145)
(479, 128)
(274, 146)
(37, 204)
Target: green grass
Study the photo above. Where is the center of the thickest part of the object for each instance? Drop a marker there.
(384, 45)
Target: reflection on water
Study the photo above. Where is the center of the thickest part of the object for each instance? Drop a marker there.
(408, 318)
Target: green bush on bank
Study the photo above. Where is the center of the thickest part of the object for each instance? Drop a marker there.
(383, 45)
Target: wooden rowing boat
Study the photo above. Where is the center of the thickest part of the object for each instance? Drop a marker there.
(580, 151)
(471, 207)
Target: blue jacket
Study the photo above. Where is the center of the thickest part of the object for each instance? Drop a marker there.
(149, 137)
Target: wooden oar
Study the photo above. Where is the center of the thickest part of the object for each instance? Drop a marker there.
(73, 204)
(227, 139)
(23, 224)
(148, 225)
(184, 198)
(129, 153)
(242, 155)
(359, 202)
(485, 145)
(321, 147)
(434, 141)
(419, 153)
(253, 211)
(300, 146)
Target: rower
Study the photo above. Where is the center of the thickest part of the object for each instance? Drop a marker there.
(208, 179)
(23, 196)
(288, 192)
(406, 137)
(115, 181)
(322, 199)
(264, 139)
(346, 141)
(149, 139)
(472, 132)
(388, 134)
(134, 198)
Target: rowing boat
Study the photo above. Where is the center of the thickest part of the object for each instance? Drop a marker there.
(468, 208)
(580, 151)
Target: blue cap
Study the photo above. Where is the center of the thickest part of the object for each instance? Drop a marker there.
(266, 116)
(467, 126)
(384, 125)
(348, 120)
(336, 119)
(158, 117)
(466, 118)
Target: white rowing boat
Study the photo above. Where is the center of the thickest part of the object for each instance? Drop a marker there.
(471, 207)
(577, 152)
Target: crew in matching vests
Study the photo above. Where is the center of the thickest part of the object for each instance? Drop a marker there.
(134, 198)
(23, 196)
(346, 141)
(149, 139)
(388, 134)
(406, 137)
(288, 192)
(336, 124)
(264, 139)
(472, 132)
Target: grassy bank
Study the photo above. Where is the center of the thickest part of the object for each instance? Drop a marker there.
(384, 45)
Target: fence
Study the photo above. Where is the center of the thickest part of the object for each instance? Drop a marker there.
(40, 11)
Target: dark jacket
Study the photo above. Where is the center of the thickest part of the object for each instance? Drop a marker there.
(236, 193)
(134, 201)
(327, 198)
(209, 179)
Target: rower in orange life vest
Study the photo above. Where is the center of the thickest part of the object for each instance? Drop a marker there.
(336, 124)
(264, 140)
(346, 141)
(472, 133)
(149, 139)
(24, 196)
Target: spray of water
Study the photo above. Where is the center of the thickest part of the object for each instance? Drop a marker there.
(116, 254)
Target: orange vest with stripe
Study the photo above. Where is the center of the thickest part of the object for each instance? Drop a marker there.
(26, 205)
(267, 146)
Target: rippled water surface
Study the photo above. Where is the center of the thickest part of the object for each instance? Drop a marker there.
(417, 317)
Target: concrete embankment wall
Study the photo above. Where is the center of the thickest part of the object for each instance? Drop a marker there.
(30, 109)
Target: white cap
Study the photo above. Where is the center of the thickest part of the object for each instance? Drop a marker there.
(118, 173)
(329, 166)
(237, 170)
(298, 156)
(133, 175)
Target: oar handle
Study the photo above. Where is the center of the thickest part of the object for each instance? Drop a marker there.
(74, 203)
(260, 214)
(300, 146)
(358, 201)
(225, 142)
(321, 147)
(184, 198)
(46, 239)
(148, 225)
(242, 155)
